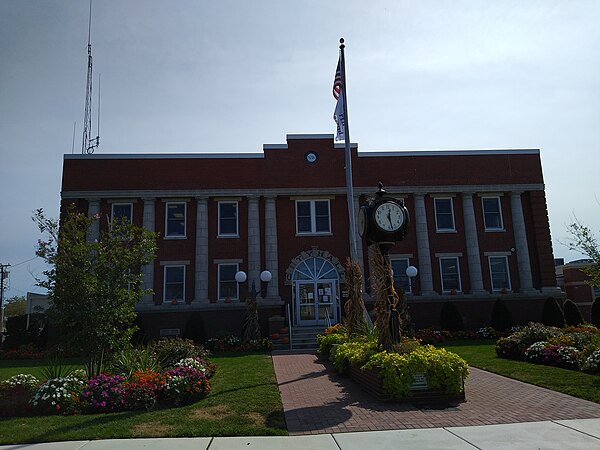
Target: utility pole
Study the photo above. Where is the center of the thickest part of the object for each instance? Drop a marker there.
(3, 276)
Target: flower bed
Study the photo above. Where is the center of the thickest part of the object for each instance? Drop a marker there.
(576, 348)
(169, 383)
(392, 375)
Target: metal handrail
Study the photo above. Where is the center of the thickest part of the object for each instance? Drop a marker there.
(289, 324)
(327, 317)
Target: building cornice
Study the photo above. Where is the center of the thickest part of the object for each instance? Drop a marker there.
(287, 192)
(337, 145)
(477, 152)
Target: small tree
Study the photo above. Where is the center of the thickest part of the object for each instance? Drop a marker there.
(573, 315)
(450, 318)
(552, 315)
(583, 240)
(93, 285)
(596, 312)
(15, 306)
(501, 316)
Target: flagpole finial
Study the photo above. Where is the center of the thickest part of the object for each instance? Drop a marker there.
(342, 43)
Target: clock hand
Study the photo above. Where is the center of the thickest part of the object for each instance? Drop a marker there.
(390, 218)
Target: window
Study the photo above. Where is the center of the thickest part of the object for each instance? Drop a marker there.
(499, 273)
(399, 266)
(492, 213)
(175, 226)
(122, 211)
(312, 217)
(444, 214)
(174, 290)
(228, 287)
(228, 219)
(450, 273)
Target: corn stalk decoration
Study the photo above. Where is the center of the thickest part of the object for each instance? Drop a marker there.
(354, 307)
(392, 319)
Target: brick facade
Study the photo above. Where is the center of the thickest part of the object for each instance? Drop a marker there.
(266, 187)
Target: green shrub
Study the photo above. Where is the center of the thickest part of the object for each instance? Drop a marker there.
(169, 351)
(450, 318)
(596, 312)
(327, 341)
(130, 360)
(510, 348)
(535, 332)
(552, 315)
(572, 313)
(355, 352)
(501, 316)
(194, 328)
(54, 368)
(444, 370)
(407, 345)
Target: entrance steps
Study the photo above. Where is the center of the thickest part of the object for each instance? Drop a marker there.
(305, 338)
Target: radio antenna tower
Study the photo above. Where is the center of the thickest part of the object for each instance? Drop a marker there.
(89, 144)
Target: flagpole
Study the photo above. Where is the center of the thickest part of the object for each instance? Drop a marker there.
(349, 188)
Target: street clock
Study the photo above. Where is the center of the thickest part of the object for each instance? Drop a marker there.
(383, 219)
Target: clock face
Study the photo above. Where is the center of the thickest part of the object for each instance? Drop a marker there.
(362, 221)
(389, 217)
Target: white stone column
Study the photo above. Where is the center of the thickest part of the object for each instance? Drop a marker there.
(522, 249)
(148, 269)
(94, 210)
(254, 265)
(425, 272)
(271, 257)
(473, 256)
(201, 276)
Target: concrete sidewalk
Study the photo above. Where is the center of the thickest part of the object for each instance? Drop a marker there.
(561, 434)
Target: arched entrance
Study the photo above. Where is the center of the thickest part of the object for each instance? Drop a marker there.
(315, 279)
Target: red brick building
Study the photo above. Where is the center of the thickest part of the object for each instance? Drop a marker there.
(575, 284)
(479, 228)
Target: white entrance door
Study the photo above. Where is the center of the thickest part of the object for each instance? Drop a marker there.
(316, 302)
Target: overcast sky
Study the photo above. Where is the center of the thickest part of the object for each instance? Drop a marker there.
(208, 76)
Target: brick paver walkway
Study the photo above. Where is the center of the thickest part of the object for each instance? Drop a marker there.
(316, 400)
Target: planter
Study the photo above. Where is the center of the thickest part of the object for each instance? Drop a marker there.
(420, 394)
(275, 336)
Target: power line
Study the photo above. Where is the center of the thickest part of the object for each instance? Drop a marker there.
(31, 259)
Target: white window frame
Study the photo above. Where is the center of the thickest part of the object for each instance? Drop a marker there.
(499, 200)
(173, 266)
(437, 227)
(456, 258)
(237, 286)
(498, 289)
(112, 210)
(175, 236)
(237, 217)
(400, 258)
(313, 217)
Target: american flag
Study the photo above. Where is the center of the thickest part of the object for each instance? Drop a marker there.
(337, 82)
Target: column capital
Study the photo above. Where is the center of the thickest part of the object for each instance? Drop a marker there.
(199, 198)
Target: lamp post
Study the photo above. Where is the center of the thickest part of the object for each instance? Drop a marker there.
(265, 277)
(252, 322)
(411, 272)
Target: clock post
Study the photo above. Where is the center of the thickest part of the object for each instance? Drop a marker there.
(382, 222)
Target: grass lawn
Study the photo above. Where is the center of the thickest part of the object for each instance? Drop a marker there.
(481, 354)
(244, 401)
